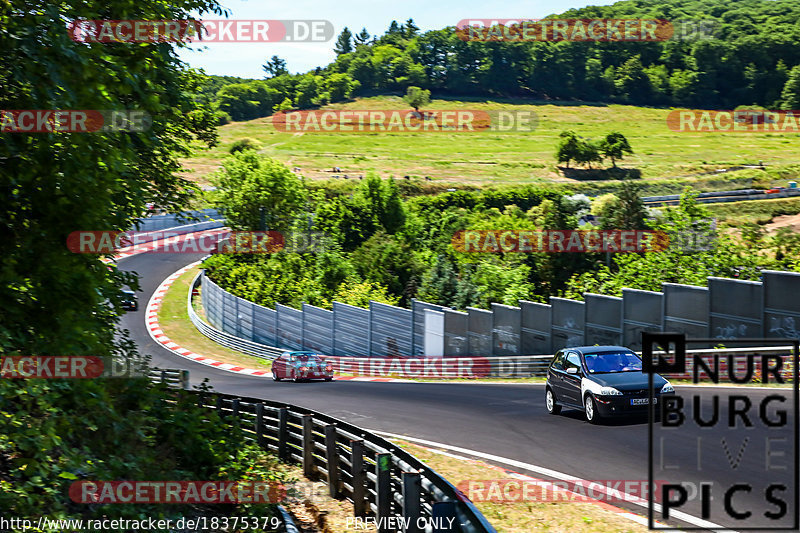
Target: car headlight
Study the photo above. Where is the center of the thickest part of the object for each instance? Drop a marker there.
(609, 391)
(667, 388)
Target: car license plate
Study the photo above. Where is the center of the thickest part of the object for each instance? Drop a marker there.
(642, 401)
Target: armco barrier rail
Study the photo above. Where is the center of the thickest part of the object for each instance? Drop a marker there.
(180, 379)
(158, 227)
(380, 478)
(173, 378)
(723, 196)
(162, 222)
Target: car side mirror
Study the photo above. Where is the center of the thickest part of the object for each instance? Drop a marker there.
(572, 370)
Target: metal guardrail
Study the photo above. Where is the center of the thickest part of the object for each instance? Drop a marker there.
(723, 196)
(167, 221)
(173, 378)
(226, 339)
(180, 379)
(378, 477)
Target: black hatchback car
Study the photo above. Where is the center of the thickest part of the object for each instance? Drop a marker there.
(603, 381)
(129, 300)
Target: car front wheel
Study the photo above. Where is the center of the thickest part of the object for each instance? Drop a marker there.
(550, 402)
(275, 376)
(590, 408)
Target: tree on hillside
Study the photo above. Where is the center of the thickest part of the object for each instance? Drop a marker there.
(384, 201)
(630, 212)
(308, 89)
(417, 97)
(246, 101)
(344, 43)
(410, 29)
(254, 188)
(571, 147)
(588, 153)
(275, 66)
(568, 147)
(790, 96)
(443, 285)
(614, 146)
(363, 37)
(285, 105)
(339, 86)
(631, 83)
(394, 28)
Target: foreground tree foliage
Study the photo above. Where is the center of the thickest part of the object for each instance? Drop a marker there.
(54, 302)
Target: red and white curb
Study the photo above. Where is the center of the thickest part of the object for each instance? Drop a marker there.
(156, 333)
(154, 329)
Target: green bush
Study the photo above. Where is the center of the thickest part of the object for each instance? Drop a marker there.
(246, 143)
(56, 432)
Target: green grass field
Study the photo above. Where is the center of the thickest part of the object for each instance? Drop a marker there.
(512, 157)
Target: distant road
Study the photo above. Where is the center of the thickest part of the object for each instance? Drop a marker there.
(713, 197)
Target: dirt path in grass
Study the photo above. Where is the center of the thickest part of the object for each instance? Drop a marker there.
(784, 221)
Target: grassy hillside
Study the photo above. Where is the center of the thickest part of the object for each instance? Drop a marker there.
(510, 157)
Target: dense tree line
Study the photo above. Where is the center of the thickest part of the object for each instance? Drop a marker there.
(752, 59)
(383, 246)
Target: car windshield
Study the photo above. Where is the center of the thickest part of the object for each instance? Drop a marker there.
(304, 358)
(610, 362)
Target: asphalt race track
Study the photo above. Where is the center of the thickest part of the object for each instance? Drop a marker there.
(507, 420)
